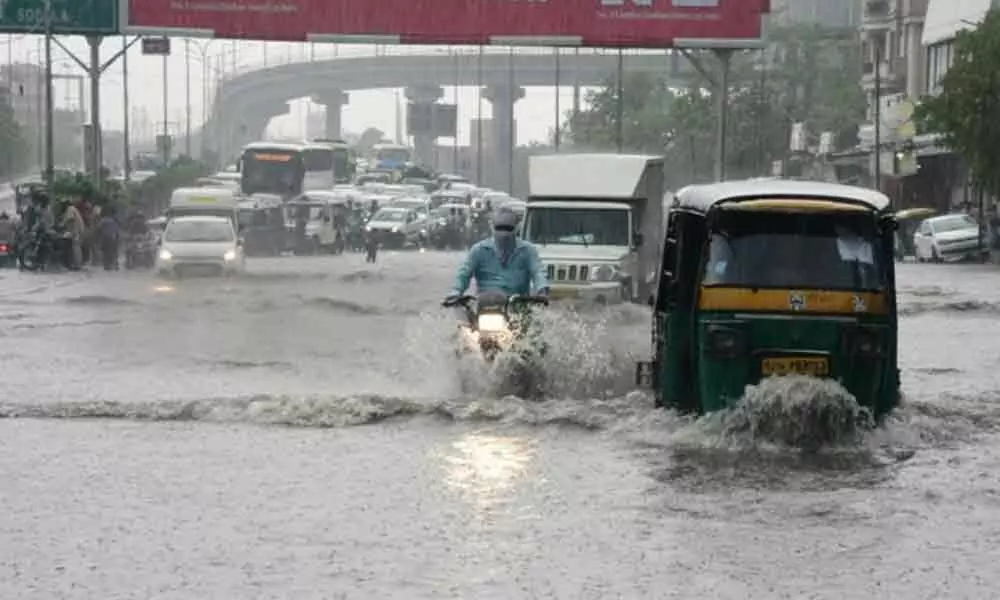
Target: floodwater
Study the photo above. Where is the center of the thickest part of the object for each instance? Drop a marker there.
(300, 433)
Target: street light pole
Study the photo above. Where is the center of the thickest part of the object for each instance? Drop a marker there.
(166, 133)
(187, 95)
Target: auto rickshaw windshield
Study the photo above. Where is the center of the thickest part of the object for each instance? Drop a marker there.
(794, 250)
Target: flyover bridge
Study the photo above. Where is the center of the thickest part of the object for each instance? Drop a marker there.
(245, 103)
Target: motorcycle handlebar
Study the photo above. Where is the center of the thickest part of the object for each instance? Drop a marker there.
(465, 299)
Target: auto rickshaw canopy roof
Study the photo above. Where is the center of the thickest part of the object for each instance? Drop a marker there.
(780, 194)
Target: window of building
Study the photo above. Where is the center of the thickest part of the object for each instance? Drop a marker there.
(939, 59)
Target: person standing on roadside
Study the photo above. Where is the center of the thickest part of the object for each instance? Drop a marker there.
(73, 228)
(109, 238)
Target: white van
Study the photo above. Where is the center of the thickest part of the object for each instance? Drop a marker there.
(202, 201)
(589, 215)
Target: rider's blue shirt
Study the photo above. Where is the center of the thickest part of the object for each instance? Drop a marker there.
(521, 275)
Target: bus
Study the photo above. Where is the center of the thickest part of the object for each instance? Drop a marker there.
(390, 156)
(345, 163)
(286, 169)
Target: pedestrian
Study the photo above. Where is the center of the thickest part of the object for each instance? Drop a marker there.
(371, 246)
(109, 236)
(73, 228)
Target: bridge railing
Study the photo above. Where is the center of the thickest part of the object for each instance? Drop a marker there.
(276, 54)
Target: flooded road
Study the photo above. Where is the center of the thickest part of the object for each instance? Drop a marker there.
(300, 433)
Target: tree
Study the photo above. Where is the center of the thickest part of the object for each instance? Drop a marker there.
(807, 73)
(965, 112)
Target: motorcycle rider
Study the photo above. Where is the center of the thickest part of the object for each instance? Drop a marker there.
(502, 263)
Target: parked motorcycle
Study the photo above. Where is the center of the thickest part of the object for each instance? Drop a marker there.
(36, 250)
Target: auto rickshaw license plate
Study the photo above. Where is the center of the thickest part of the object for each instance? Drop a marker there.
(796, 365)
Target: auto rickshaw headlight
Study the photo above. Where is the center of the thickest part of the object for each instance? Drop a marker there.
(725, 342)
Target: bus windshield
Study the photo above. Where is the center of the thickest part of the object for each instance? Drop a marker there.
(812, 251)
(317, 159)
(271, 172)
(395, 155)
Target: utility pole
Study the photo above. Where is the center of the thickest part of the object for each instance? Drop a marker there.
(187, 94)
(97, 153)
(877, 113)
(166, 114)
(127, 145)
(50, 168)
(620, 104)
(558, 130)
(722, 108)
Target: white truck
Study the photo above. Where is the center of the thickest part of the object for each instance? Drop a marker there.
(597, 222)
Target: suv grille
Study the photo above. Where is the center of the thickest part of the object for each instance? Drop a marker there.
(568, 272)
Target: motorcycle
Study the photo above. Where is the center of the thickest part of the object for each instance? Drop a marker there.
(496, 325)
(140, 251)
(36, 251)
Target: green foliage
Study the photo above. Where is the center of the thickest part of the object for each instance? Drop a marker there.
(154, 193)
(965, 112)
(807, 73)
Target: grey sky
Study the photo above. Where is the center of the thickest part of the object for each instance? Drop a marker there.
(376, 108)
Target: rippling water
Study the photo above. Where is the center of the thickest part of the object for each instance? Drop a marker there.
(305, 432)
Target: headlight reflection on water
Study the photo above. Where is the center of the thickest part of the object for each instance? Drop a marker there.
(486, 466)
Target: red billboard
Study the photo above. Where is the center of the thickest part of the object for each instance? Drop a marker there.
(601, 23)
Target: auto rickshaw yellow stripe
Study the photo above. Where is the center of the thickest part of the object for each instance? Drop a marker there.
(792, 301)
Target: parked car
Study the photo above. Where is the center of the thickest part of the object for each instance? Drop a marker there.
(949, 237)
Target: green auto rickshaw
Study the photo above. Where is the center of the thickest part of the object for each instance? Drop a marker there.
(773, 277)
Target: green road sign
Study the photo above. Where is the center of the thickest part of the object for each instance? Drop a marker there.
(69, 17)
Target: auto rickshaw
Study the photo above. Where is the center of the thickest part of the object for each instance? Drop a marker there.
(262, 225)
(909, 220)
(764, 278)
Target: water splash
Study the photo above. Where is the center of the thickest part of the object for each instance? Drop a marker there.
(794, 412)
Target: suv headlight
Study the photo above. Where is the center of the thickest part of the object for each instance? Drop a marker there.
(165, 255)
(603, 273)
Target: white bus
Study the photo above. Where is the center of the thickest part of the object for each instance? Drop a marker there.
(287, 169)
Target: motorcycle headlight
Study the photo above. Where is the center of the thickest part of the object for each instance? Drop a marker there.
(603, 273)
(491, 323)
(395, 229)
(368, 228)
(165, 255)
(229, 256)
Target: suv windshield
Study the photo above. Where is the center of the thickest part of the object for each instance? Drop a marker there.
(768, 250)
(395, 216)
(578, 226)
(199, 231)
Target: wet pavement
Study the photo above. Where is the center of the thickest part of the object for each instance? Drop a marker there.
(301, 433)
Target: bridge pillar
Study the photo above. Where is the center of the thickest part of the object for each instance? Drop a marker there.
(334, 103)
(503, 132)
(423, 142)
